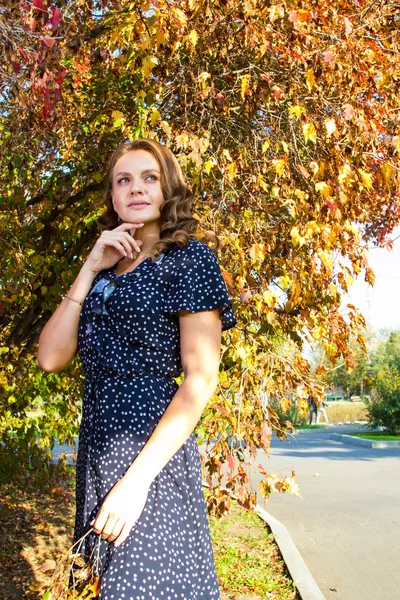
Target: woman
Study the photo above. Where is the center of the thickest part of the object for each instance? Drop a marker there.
(148, 303)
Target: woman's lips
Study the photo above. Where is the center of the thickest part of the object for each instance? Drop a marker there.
(138, 205)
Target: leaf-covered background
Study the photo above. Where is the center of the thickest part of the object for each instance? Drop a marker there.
(286, 120)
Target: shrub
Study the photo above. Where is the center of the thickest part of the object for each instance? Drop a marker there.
(384, 409)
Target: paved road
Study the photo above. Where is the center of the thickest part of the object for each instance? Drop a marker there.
(347, 524)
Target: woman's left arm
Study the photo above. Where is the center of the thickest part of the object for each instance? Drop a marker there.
(200, 341)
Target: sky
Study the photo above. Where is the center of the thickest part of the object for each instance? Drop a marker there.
(380, 304)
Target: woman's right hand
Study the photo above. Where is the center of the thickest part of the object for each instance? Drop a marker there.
(112, 246)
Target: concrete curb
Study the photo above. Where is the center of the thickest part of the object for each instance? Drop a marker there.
(354, 441)
(297, 568)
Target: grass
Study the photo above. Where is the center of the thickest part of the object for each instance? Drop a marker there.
(378, 436)
(346, 412)
(247, 558)
(36, 529)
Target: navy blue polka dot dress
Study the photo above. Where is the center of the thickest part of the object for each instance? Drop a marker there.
(129, 347)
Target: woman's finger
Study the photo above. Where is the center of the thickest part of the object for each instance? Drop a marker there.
(118, 246)
(123, 239)
(118, 526)
(132, 242)
(100, 521)
(127, 226)
(125, 531)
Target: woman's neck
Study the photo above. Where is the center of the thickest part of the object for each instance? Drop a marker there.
(149, 235)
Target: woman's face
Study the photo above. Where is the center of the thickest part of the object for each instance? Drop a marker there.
(136, 187)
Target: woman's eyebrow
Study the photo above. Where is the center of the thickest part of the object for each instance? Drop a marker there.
(145, 172)
(150, 171)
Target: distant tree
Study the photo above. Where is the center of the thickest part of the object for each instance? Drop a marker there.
(384, 407)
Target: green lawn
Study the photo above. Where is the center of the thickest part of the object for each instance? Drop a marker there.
(377, 436)
(247, 558)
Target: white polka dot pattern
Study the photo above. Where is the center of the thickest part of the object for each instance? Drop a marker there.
(129, 346)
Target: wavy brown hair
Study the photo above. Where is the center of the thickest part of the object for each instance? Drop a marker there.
(177, 222)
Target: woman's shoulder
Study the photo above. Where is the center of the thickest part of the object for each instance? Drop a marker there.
(195, 249)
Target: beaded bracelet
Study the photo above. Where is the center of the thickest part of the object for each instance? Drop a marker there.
(73, 300)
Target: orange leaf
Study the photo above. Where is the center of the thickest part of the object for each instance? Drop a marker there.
(227, 277)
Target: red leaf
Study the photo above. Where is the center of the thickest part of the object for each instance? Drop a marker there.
(56, 17)
(266, 433)
(38, 4)
(23, 54)
(303, 171)
(348, 26)
(16, 66)
(49, 41)
(329, 56)
(32, 23)
(348, 112)
(221, 409)
(231, 461)
(331, 205)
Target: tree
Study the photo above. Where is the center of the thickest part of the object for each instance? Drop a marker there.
(384, 406)
(285, 119)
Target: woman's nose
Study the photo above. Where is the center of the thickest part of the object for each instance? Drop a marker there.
(136, 189)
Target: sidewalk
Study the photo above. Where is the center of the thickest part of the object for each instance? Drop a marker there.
(346, 526)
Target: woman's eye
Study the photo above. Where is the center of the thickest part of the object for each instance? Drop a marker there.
(123, 179)
(151, 178)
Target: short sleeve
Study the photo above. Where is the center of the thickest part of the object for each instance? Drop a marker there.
(197, 283)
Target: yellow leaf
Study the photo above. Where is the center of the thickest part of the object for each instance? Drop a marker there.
(344, 173)
(285, 147)
(312, 228)
(310, 79)
(326, 258)
(269, 298)
(387, 171)
(155, 115)
(148, 65)
(284, 282)
(323, 188)
(257, 252)
(209, 164)
(330, 127)
(117, 115)
(265, 146)
(180, 17)
(275, 190)
(193, 37)
(279, 165)
(297, 239)
(285, 403)
(232, 170)
(166, 127)
(314, 166)
(181, 140)
(296, 111)
(366, 179)
(396, 143)
(245, 89)
(162, 36)
(226, 154)
(309, 132)
(300, 194)
(276, 11)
